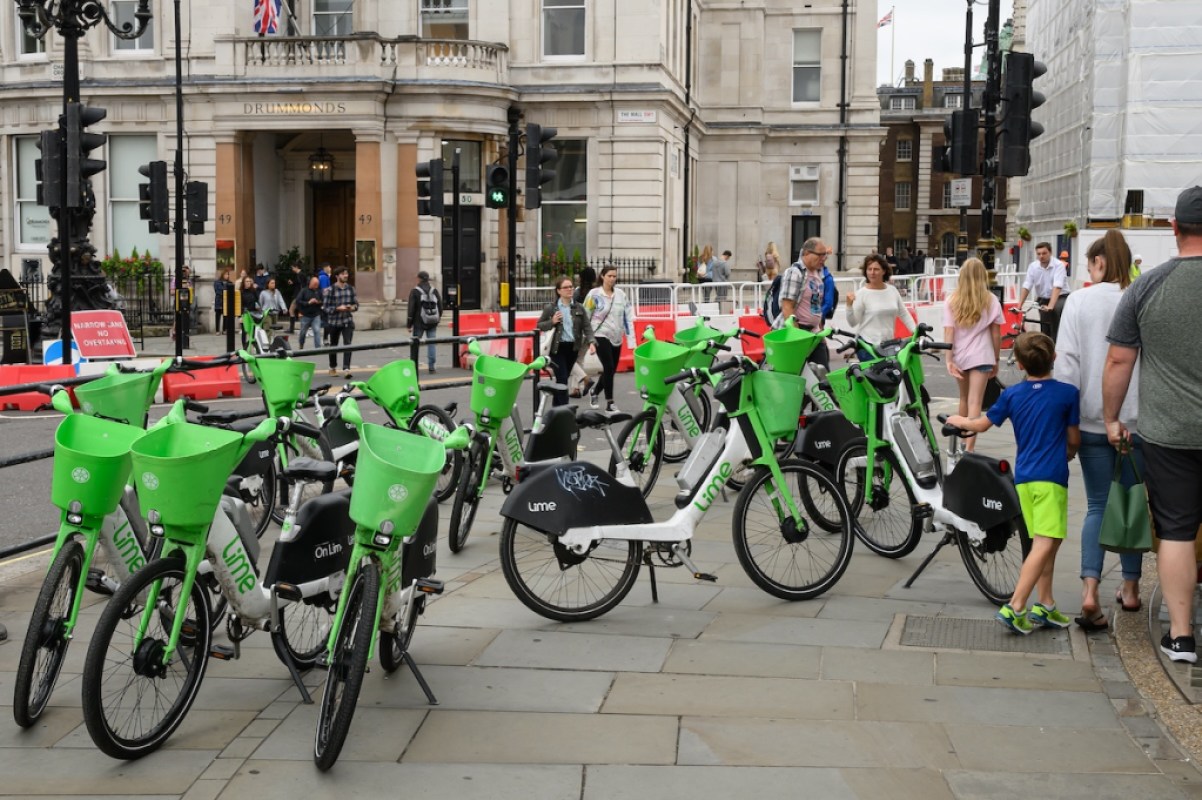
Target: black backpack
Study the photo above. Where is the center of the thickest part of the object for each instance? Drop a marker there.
(771, 308)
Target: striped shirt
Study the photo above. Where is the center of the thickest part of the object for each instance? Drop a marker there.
(340, 295)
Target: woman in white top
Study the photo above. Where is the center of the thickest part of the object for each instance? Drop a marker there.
(611, 318)
(271, 301)
(1080, 356)
(872, 310)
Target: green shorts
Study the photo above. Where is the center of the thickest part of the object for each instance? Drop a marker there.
(1045, 508)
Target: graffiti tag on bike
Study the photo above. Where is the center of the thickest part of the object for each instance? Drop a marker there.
(575, 479)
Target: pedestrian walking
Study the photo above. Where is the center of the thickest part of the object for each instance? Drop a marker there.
(611, 319)
(340, 303)
(571, 334)
(425, 311)
(308, 307)
(972, 322)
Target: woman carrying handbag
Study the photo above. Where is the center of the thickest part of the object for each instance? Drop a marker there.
(611, 320)
(571, 334)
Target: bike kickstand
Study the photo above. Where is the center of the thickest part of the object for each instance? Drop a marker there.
(654, 585)
(948, 538)
(421, 679)
(300, 685)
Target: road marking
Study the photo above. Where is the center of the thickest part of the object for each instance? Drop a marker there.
(25, 557)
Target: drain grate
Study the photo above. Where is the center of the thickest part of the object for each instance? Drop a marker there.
(953, 633)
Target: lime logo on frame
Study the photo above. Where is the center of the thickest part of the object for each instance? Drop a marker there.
(397, 493)
(80, 475)
(150, 480)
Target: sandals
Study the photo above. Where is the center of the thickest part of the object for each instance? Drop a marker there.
(1118, 598)
(1092, 624)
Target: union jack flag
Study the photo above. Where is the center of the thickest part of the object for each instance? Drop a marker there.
(267, 16)
(886, 20)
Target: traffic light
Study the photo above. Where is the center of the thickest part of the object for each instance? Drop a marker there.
(496, 191)
(959, 154)
(49, 170)
(1017, 131)
(80, 168)
(429, 188)
(153, 202)
(196, 206)
(538, 152)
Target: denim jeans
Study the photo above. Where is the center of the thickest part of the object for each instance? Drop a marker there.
(310, 324)
(1097, 457)
(420, 331)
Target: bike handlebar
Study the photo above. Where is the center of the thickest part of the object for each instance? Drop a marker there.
(195, 407)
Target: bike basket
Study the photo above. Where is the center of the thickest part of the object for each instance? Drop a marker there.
(91, 463)
(394, 477)
(786, 349)
(851, 396)
(496, 382)
(180, 471)
(687, 337)
(655, 361)
(285, 383)
(123, 397)
(394, 388)
(777, 398)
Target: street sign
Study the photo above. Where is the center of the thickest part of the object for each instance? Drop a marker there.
(101, 335)
(961, 192)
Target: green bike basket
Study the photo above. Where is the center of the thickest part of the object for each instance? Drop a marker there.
(777, 397)
(394, 388)
(394, 478)
(687, 337)
(786, 349)
(496, 382)
(180, 471)
(124, 397)
(285, 383)
(91, 463)
(655, 361)
(851, 395)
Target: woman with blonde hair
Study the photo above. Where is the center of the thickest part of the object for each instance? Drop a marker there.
(770, 263)
(972, 322)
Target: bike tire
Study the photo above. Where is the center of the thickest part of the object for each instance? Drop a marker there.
(258, 492)
(798, 570)
(448, 479)
(302, 631)
(111, 660)
(294, 446)
(676, 447)
(647, 458)
(994, 563)
(347, 666)
(395, 643)
(45, 645)
(467, 498)
(248, 374)
(892, 529)
(557, 584)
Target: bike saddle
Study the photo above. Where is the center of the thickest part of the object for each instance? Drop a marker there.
(310, 469)
(218, 418)
(551, 386)
(885, 377)
(599, 419)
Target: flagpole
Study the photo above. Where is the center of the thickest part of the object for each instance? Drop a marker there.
(892, 39)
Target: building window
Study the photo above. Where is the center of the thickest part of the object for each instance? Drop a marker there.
(27, 43)
(901, 196)
(901, 246)
(807, 66)
(123, 12)
(905, 150)
(947, 245)
(953, 101)
(444, 19)
(33, 221)
(564, 216)
(469, 165)
(563, 28)
(127, 230)
(947, 194)
(905, 103)
(803, 185)
(332, 18)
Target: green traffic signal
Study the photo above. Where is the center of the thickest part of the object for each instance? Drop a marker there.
(497, 180)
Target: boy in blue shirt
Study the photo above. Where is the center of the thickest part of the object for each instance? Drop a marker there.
(1045, 414)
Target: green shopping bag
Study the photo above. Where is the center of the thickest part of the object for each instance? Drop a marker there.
(1126, 522)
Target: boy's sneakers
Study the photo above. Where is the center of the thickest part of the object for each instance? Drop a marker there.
(1014, 620)
(1181, 648)
(1048, 617)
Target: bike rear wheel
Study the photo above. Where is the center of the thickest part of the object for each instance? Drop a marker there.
(132, 701)
(792, 563)
(395, 643)
(302, 632)
(347, 665)
(558, 584)
(994, 563)
(676, 446)
(46, 643)
(448, 479)
(887, 525)
(644, 457)
(467, 498)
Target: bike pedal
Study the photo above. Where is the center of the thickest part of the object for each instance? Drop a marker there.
(222, 652)
(95, 582)
(429, 586)
(923, 510)
(705, 576)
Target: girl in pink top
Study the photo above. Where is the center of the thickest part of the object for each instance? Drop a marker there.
(972, 322)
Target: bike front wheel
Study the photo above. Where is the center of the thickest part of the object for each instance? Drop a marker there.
(886, 524)
(995, 562)
(258, 492)
(467, 498)
(676, 445)
(787, 559)
(644, 457)
(302, 631)
(347, 665)
(448, 479)
(561, 585)
(132, 700)
(46, 641)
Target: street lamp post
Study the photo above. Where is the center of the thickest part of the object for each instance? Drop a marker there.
(72, 19)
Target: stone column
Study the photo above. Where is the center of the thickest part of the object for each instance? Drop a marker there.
(235, 208)
(369, 225)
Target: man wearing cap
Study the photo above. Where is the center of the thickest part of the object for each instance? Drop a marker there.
(425, 307)
(1157, 323)
(1047, 278)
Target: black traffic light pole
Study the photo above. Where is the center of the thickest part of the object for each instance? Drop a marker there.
(455, 240)
(182, 324)
(966, 104)
(989, 104)
(511, 222)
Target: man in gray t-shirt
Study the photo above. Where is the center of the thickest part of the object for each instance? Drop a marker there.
(1157, 322)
